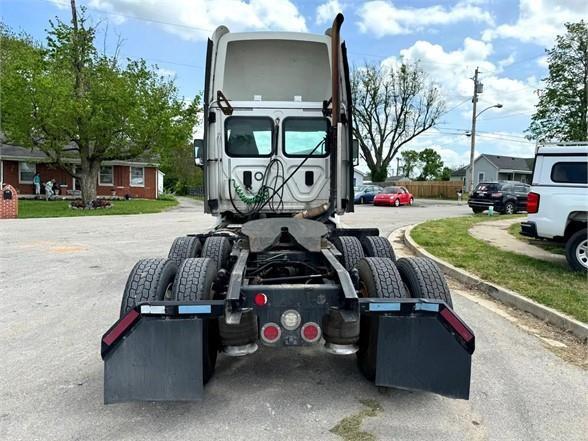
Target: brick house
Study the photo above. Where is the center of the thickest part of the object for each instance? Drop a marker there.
(138, 178)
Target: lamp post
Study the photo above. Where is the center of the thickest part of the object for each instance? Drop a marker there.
(473, 135)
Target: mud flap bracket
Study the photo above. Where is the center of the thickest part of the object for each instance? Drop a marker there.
(158, 360)
(420, 353)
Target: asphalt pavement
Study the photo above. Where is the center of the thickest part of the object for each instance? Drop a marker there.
(61, 284)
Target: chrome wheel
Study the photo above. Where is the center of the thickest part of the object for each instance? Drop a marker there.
(582, 253)
(509, 208)
(396, 203)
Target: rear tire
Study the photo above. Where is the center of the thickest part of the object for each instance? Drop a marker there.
(149, 281)
(397, 203)
(351, 250)
(362, 201)
(411, 201)
(194, 282)
(377, 246)
(218, 248)
(577, 250)
(509, 208)
(424, 279)
(378, 278)
(477, 210)
(184, 247)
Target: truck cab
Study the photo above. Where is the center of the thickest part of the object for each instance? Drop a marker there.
(558, 201)
(272, 145)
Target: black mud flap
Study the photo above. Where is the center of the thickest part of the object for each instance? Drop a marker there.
(421, 353)
(158, 360)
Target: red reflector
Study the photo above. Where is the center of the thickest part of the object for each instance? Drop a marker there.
(122, 325)
(260, 299)
(310, 332)
(533, 203)
(271, 332)
(457, 325)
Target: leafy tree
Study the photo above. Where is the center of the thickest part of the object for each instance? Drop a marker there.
(431, 164)
(562, 111)
(410, 161)
(180, 171)
(446, 174)
(67, 99)
(391, 107)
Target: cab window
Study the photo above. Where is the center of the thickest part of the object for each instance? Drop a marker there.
(248, 136)
(301, 136)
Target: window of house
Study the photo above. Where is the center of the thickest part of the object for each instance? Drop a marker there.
(570, 172)
(481, 176)
(137, 177)
(26, 171)
(106, 176)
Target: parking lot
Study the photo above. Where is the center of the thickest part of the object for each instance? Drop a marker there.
(62, 280)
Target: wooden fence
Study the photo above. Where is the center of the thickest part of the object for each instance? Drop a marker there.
(433, 189)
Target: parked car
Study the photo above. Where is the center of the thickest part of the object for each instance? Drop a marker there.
(507, 197)
(558, 202)
(365, 194)
(394, 196)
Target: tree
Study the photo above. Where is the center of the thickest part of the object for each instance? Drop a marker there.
(562, 111)
(391, 106)
(410, 161)
(431, 164)
(446, 174)
(67, 99)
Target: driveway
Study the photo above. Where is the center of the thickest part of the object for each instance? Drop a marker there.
(61, 283)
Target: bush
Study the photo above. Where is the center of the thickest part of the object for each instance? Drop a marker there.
(166, 197)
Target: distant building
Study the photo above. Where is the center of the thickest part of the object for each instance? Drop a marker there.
(358, 177)
(488, 168)
(139, 178)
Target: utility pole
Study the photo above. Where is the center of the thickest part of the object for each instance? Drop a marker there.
(473, 134)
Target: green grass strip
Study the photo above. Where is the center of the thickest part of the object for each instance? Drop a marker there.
(551, 284)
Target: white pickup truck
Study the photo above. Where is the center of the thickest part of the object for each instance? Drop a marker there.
(558, 201)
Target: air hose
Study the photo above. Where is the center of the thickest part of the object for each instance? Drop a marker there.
(261, 196)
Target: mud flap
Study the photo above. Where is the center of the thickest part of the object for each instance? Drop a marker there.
(158, 360)
(420, 353)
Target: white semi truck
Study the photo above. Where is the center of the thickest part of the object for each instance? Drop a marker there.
(278, 270)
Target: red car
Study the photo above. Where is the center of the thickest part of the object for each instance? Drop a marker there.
(394, 196)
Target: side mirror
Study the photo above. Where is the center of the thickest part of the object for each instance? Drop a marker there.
(355, 152)
(198, 152)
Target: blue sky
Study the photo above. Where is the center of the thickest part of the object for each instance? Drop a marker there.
(505, 38)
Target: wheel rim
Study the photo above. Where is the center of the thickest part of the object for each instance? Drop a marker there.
(396, 202)
(582, 253)
(509, 209)
(411, 201)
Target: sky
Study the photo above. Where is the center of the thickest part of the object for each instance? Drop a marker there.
(506, 39)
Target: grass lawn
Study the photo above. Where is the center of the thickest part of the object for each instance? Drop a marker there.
(32, 208)
(547, 245)
(547, 283)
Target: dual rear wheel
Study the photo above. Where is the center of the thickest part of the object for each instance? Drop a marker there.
(381, 275)
(186, 275)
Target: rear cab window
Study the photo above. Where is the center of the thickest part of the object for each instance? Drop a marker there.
(303, 136)
(488, 187)
(249, 136)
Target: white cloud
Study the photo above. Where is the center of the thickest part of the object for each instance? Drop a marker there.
(453, 70)
(197, 19)
(384, 18)
(540, 21)
(326, 12)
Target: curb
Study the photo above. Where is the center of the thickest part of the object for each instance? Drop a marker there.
(506, 296)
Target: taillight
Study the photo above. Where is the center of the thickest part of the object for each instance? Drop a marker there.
(260, 299)
(533, 203)
(497, 194)
(271, 333)
(310, 332)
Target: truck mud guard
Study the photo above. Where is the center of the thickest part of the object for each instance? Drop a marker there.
(421, 345)
(155, 353)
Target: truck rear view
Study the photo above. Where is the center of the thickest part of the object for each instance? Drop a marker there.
(278, 270)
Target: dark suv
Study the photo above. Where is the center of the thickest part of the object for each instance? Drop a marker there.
(506, 197)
